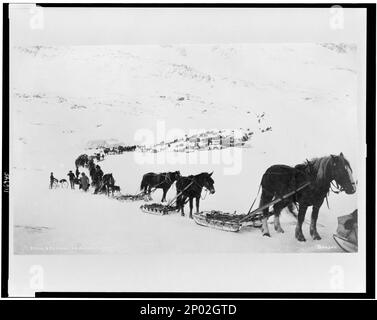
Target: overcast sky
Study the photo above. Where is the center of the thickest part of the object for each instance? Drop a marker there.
(101, 26)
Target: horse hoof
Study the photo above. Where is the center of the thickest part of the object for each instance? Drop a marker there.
(317, 237)
(301, 238)
(267, 234)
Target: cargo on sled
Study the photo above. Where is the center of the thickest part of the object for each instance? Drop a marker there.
(235, 222)
(346, 234)
(132, 197)
(157, 208)
(226, 221)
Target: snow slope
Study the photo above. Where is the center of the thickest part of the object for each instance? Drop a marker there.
(65, 97)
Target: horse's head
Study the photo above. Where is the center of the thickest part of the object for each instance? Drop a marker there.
(208, 182)
(342, 173)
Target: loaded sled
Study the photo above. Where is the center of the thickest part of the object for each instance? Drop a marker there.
(158, 209)
(235, 222)
(346, 234)
(226, 221)
(132, 197)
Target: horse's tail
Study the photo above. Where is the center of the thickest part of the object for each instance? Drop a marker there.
(143, 183)
(178, 200)
(290, 208)
(266, 196)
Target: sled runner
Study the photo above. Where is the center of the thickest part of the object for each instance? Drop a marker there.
(345, 244)
(235, 222)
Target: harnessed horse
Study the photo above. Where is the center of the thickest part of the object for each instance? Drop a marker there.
(158, 181)
(321, 173)
(191, 187)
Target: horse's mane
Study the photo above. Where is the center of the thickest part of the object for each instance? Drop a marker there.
(320, 166)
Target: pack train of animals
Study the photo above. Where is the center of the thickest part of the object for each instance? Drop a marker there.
(304, 185)
(206, 140)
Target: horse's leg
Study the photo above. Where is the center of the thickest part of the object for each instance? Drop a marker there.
(177, 203)
(300, 219)
(313, 222)
(164, 195)
(97, 187)
(191, 205)
(265, 198)
(197, 204)
(182, 204)
(277, 210)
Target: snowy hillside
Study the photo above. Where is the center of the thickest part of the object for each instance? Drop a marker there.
(67, 99)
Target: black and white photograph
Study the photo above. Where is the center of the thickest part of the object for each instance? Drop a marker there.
(198, 149)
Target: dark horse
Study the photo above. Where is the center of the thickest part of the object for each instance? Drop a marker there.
(82, 161)
(159, 181)
(279, 180)
(92, 171)
(191, 187)
(106, 185)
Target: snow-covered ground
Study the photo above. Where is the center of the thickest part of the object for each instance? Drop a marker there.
(64, 97)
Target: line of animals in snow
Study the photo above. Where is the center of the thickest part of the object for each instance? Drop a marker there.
(325, 174)
(102, 183)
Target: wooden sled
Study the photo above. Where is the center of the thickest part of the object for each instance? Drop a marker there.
(132, 197)
(158, 209)
(346, 236)
(233, 222)
(345, 244)
(225, 221)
